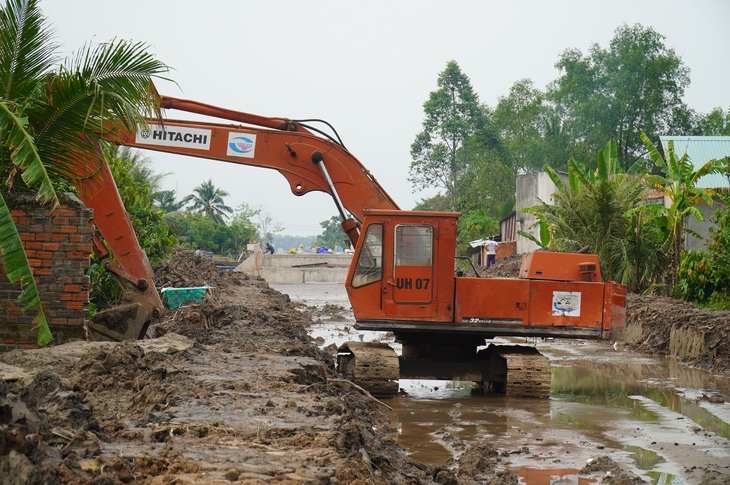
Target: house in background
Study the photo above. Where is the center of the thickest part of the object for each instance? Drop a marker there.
(701, 149)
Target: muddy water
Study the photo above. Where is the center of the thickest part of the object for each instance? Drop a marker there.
(668, 423)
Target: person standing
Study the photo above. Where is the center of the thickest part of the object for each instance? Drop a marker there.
(491, 246)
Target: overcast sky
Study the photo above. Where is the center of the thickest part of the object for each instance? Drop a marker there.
(367, 67)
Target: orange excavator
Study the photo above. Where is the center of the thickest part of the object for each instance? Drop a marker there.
(402, 278)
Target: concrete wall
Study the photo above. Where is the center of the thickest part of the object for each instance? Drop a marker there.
(58, 245)
(531, 189)
(701, 228)
(297, 268)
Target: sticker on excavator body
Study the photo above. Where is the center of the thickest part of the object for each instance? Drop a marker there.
(241, 145)
(566, 303)
(173, 136)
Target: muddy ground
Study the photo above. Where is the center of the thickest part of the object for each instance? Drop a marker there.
(231, 390)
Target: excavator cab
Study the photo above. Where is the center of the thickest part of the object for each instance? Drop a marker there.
(403, 268)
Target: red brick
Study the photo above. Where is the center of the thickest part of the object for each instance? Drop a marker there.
(50, 246)
(27, 236)
(74, 305)
(69, 229)
(43, 237)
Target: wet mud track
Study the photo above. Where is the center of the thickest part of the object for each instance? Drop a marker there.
(663, 420)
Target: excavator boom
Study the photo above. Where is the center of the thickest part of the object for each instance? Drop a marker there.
(307, 161)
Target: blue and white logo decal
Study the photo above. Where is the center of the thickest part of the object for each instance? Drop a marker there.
(566, 303)
(241, 145)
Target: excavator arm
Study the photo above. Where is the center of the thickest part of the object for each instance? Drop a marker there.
(308, 161)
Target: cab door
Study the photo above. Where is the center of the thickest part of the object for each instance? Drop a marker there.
(409, 283)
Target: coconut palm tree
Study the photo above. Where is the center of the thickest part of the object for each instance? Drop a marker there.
(208, 200)
(51, 115)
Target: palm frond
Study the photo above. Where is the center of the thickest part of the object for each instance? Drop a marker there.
(24, 155)
(26, 51)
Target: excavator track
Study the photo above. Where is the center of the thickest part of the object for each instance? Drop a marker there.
(372, 366)
(519, 371)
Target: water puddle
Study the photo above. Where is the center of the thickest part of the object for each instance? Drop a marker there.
(667, 423)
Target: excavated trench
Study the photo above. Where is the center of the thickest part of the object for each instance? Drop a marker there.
(663, 420)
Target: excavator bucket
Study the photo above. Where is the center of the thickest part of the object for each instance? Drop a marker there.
(125, 322)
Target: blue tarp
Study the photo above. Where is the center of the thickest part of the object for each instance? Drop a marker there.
(178, 296)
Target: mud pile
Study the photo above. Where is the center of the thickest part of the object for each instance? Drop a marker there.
(696, 336)
(249, 399)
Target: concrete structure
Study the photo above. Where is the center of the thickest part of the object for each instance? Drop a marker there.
(532, 188)
(296, 268)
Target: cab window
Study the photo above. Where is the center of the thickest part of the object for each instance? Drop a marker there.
(370, 260)
(413, 245)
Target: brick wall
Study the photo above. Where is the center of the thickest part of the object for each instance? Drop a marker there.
(58, 245)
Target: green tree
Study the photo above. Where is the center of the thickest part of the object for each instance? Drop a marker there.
(266, 226)
(715, 123)
(195, 230)
(636, 84)
(50, 116)
(243, 228)
(167, 201)
(704, 276)
(209, 200)
(332, 234)
(519, 117)
(452, 115)
(436, 203)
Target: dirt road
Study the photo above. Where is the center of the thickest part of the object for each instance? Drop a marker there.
(231, 390)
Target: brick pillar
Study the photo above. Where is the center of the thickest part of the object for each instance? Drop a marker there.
(58, 245)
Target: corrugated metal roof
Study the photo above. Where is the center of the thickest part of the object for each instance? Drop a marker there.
(701, 149)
